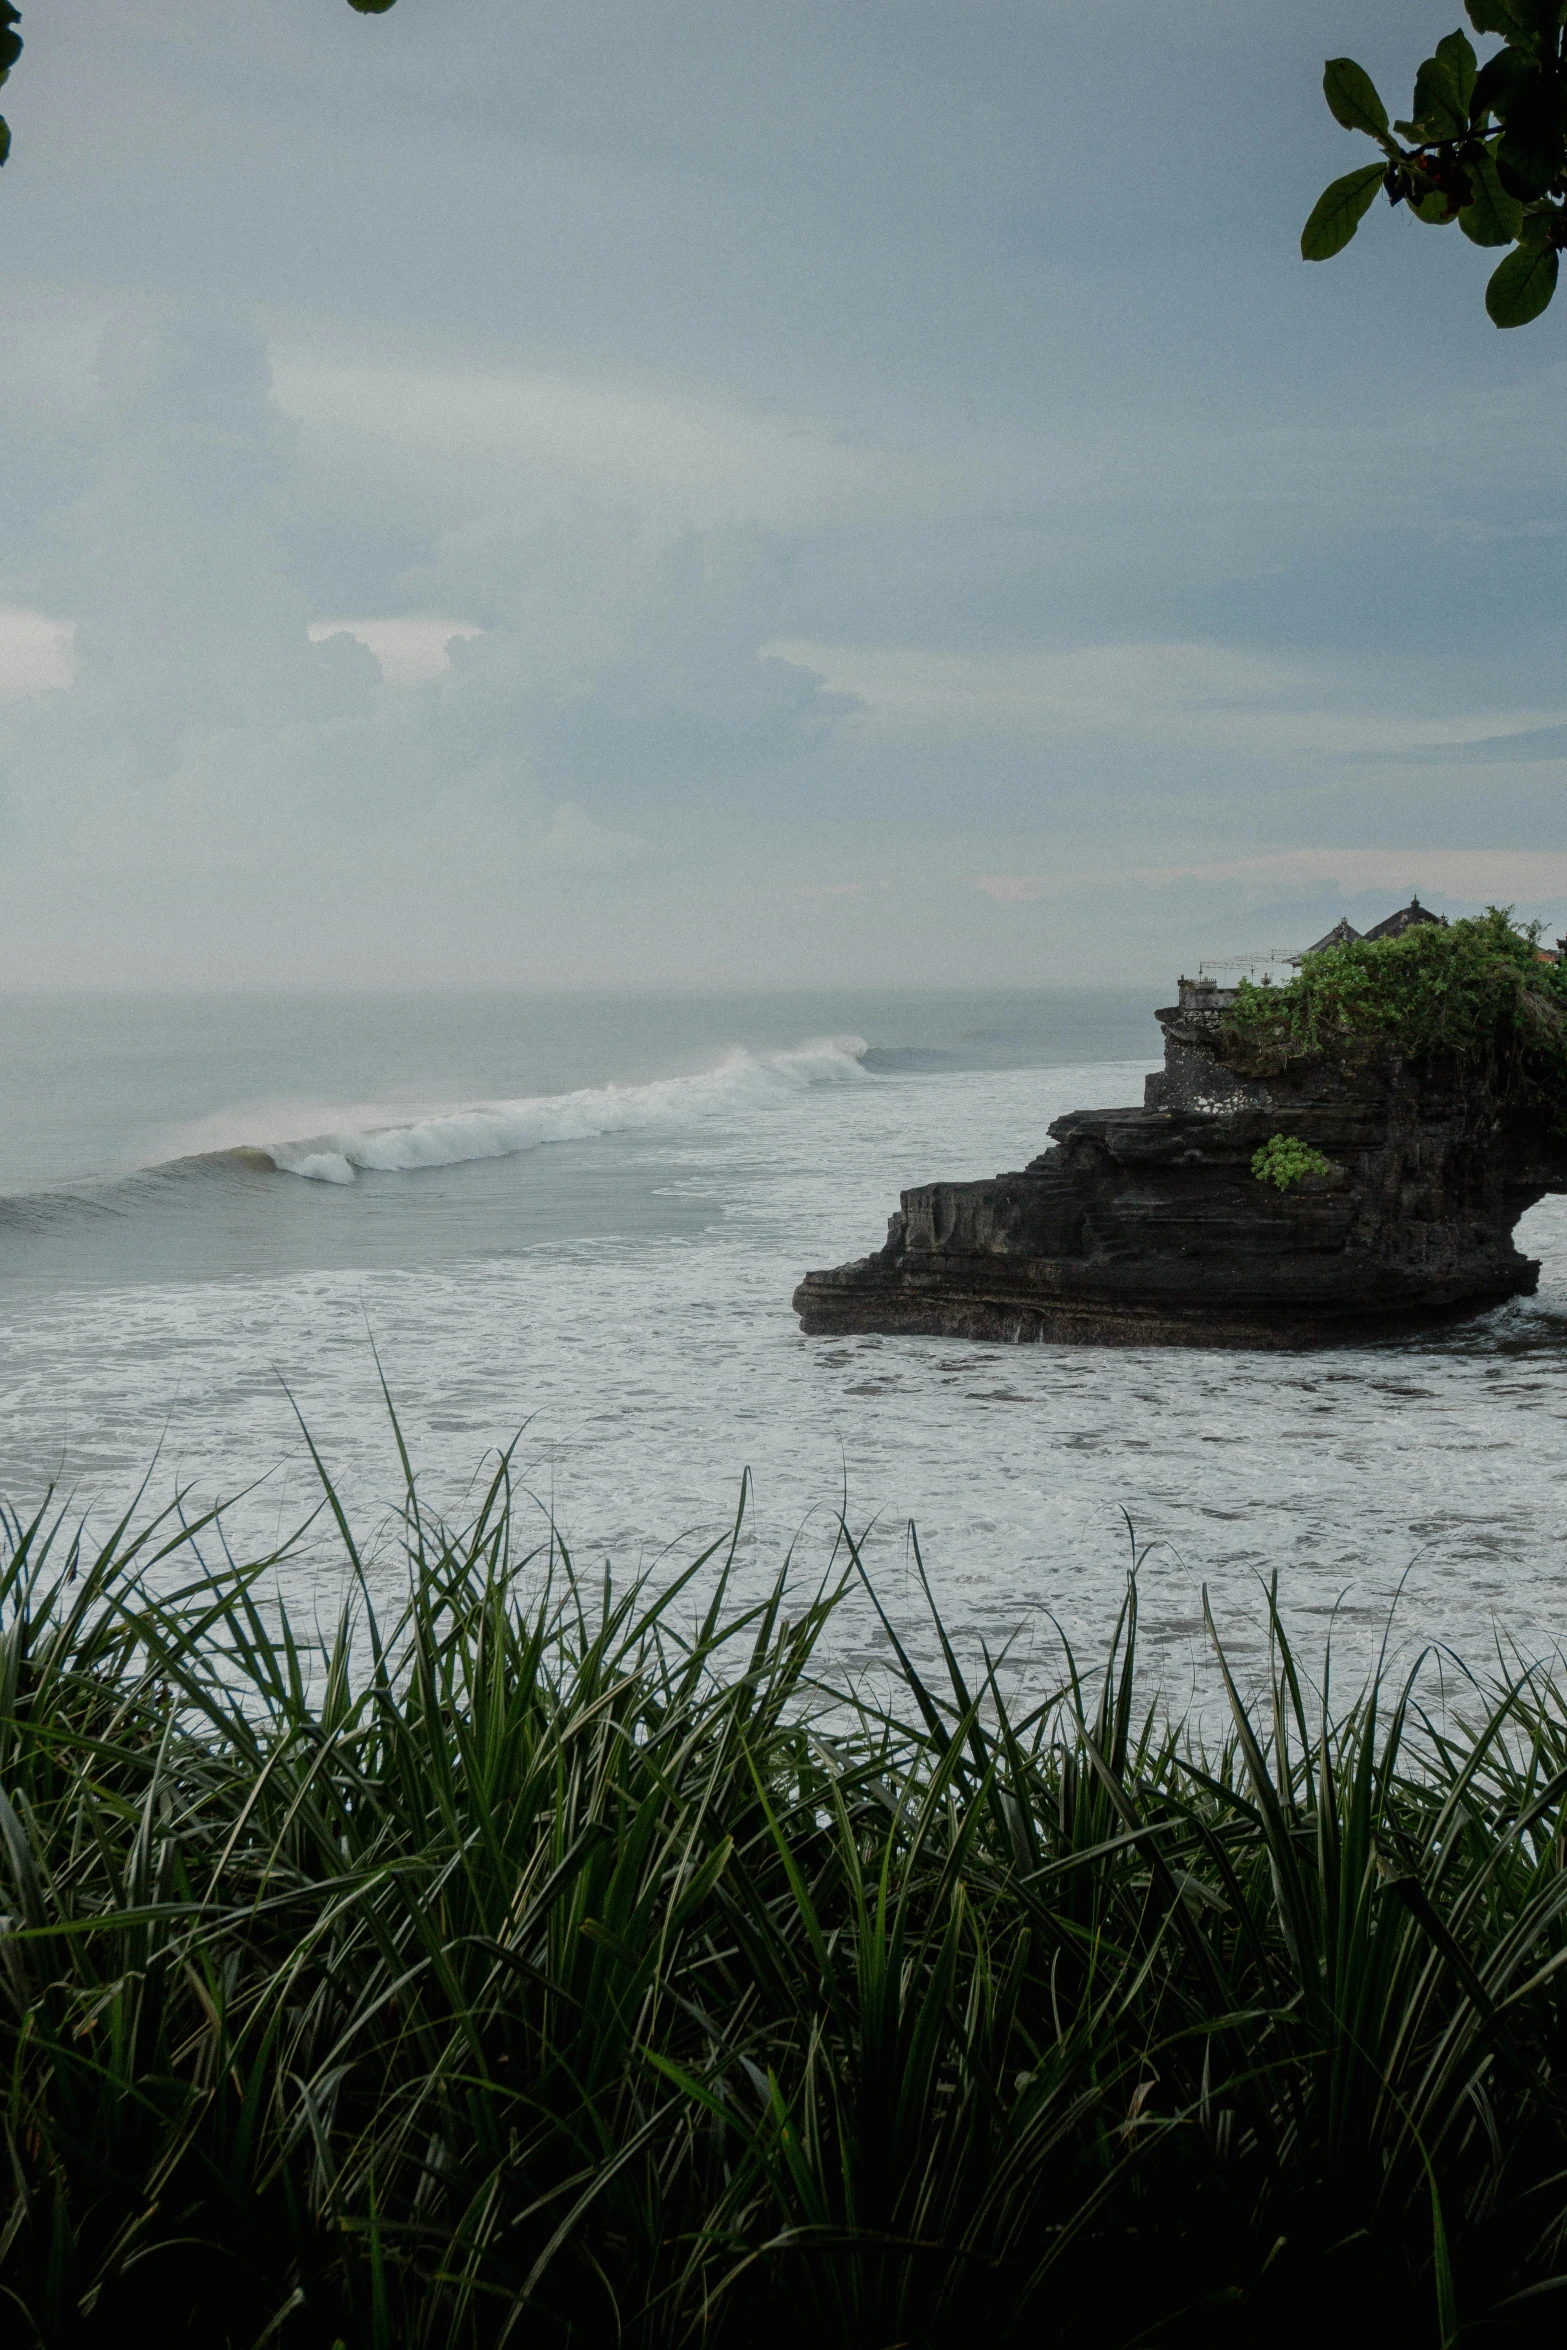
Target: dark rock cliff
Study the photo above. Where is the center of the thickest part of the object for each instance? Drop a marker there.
(1148, 1227)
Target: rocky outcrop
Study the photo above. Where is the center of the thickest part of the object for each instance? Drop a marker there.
(1148, 1227)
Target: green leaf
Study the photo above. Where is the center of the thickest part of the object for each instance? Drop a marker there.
(1530, 152)
(1352, 97)
(1523, 285)
(1442, 2265)
(1456, 55)
(5, 138)
(1523, 21)
(1432, 209)
(372, 7)
(1497, 83)
(1491, 217)
(1439, 112)
(1338, 212)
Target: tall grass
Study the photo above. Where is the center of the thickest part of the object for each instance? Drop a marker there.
(551, 1964)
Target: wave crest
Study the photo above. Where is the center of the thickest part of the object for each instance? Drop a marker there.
(742, 1083)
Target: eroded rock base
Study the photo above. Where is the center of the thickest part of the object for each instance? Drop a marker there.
(836, 1305)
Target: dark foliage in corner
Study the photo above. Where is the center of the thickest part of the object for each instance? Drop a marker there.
(1485, 145)
(10, 51)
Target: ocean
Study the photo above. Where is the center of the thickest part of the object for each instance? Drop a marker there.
(571, 1225)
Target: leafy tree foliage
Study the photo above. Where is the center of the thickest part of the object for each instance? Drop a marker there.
(1485, 145)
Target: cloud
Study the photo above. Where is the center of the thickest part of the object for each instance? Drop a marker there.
(408, 648)
(520, 442)
(675, 464)
(1525, 747)
(1500, 876)
(1153, 695)
(575, 844)
(1467, 876)
(226, 761)
(35, 652)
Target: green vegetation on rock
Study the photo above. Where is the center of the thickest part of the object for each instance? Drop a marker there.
(1284, 1159)
(1474, 993)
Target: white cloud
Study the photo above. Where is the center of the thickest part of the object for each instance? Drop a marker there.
(301, 784)
(1529, 877)
(409, 648)
(530, 441)
(1501, 876)
(1153, 695)
(575, 844)
(35, 652)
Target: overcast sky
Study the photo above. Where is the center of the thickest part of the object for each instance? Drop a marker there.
(749, 492)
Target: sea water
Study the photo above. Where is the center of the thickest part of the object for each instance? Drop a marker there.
(571, 1226)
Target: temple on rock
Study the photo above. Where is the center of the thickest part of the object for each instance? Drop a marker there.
(1341, 935)
(1406, 918)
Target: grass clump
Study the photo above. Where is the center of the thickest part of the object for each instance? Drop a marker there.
(555, 1963)
(1475, 993)
(1284, 1159)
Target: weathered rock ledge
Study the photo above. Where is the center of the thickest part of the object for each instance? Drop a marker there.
(1147, 1227)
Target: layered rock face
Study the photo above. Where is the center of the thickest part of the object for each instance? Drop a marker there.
(1148, 1227)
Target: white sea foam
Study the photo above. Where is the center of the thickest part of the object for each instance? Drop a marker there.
(650, 1357)
(742, 1084)
(648, 1368)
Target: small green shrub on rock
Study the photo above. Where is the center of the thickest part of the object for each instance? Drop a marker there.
(1284, 1159)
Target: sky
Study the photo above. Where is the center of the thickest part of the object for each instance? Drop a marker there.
(800, 492)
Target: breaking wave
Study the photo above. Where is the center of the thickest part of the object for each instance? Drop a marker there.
(741, 1084)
